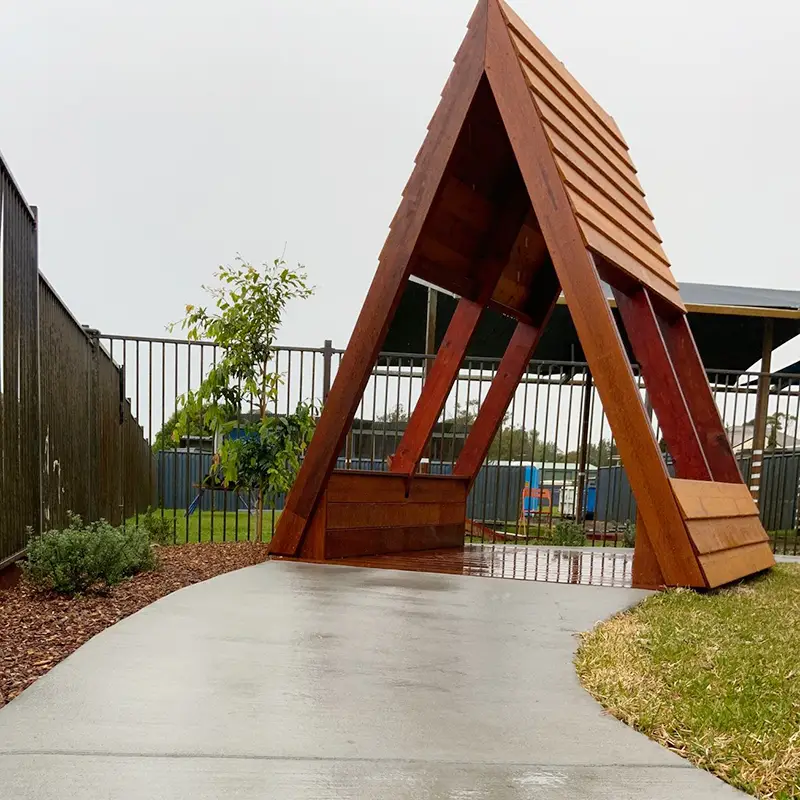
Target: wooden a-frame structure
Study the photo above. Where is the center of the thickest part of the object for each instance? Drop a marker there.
(524, 189)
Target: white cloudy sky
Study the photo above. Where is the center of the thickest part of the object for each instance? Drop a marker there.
(161, 137)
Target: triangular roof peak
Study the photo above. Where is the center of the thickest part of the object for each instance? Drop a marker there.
(594, 162)
(587, 146)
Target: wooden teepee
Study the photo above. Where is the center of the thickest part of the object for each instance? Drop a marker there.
(524, 189)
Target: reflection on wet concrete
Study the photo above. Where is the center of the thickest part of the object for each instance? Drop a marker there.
(592, 567)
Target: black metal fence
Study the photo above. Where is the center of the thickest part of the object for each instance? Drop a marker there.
(552, 475)
(96, 461)
(87, 425)
(68, 439)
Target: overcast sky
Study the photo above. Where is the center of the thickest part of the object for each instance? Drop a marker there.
(162, 137)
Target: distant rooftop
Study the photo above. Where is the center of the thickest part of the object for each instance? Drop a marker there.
(727, 322)
(708, 294)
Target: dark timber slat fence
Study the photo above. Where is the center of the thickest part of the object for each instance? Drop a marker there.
(68, 439)
(19, 387)
(96, 461)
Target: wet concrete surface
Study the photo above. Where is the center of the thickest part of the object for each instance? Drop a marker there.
(293, 681)
(590, 566)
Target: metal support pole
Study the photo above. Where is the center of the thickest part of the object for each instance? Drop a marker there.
(327, 359)
(94, 424)
(762, 408)
(427, 363)
(430, 330)
(39, 422)
(583, 450)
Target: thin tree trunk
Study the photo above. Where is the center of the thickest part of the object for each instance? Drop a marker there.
(262, 403)
(260, 517)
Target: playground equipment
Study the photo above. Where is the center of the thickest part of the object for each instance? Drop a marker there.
(524, 189)
(535, 501)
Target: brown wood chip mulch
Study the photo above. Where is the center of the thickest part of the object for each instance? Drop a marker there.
(39, 630)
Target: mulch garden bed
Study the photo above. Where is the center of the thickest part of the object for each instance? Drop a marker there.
(38, 630)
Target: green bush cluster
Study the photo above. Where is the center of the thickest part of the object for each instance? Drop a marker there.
(629, 534)
(87, 556)
(568, 534)
(158, 527)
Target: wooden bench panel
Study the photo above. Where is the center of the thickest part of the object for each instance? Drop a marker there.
(393, 515)
(346, 542)
(348, 486)
(709, 500)
(725, 529)
(712, 535)
(730, 565)
(368, 513)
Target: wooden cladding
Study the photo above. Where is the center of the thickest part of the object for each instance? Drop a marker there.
(711, 500)
(374, 513)
(725, 530)
(393, 515)
(373, 487)
(379, 541)
(593, 159)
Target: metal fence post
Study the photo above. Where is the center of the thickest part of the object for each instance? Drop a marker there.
(327, 363)
(94, 422)
(583, 448)
(38, 367)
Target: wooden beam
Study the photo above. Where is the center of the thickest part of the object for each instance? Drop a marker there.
(699, 399)
(661, 381)
(513, 206)
(509, 373)
(594, 323)
(646, 573)
(438, 383)
(386, 289)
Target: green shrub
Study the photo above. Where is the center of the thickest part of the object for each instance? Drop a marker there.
(87, 556)
(629, 534)
(158, 527)
(568, 534)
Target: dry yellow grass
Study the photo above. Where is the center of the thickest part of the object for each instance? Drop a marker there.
(714, 677)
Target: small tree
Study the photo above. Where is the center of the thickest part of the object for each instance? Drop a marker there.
(248, 306)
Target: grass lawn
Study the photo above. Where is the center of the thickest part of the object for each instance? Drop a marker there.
(217, 527)
(714, 677)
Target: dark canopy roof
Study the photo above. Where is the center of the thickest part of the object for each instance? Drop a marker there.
(727, 322)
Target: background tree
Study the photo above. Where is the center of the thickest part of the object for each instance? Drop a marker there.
(167, 438)
(597, 453)
(515, 444)
(462, 418)
(394, 417)
(511, 443)
(247, 309)
(775, 424)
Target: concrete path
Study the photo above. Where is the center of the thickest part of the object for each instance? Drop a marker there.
(292, 681)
